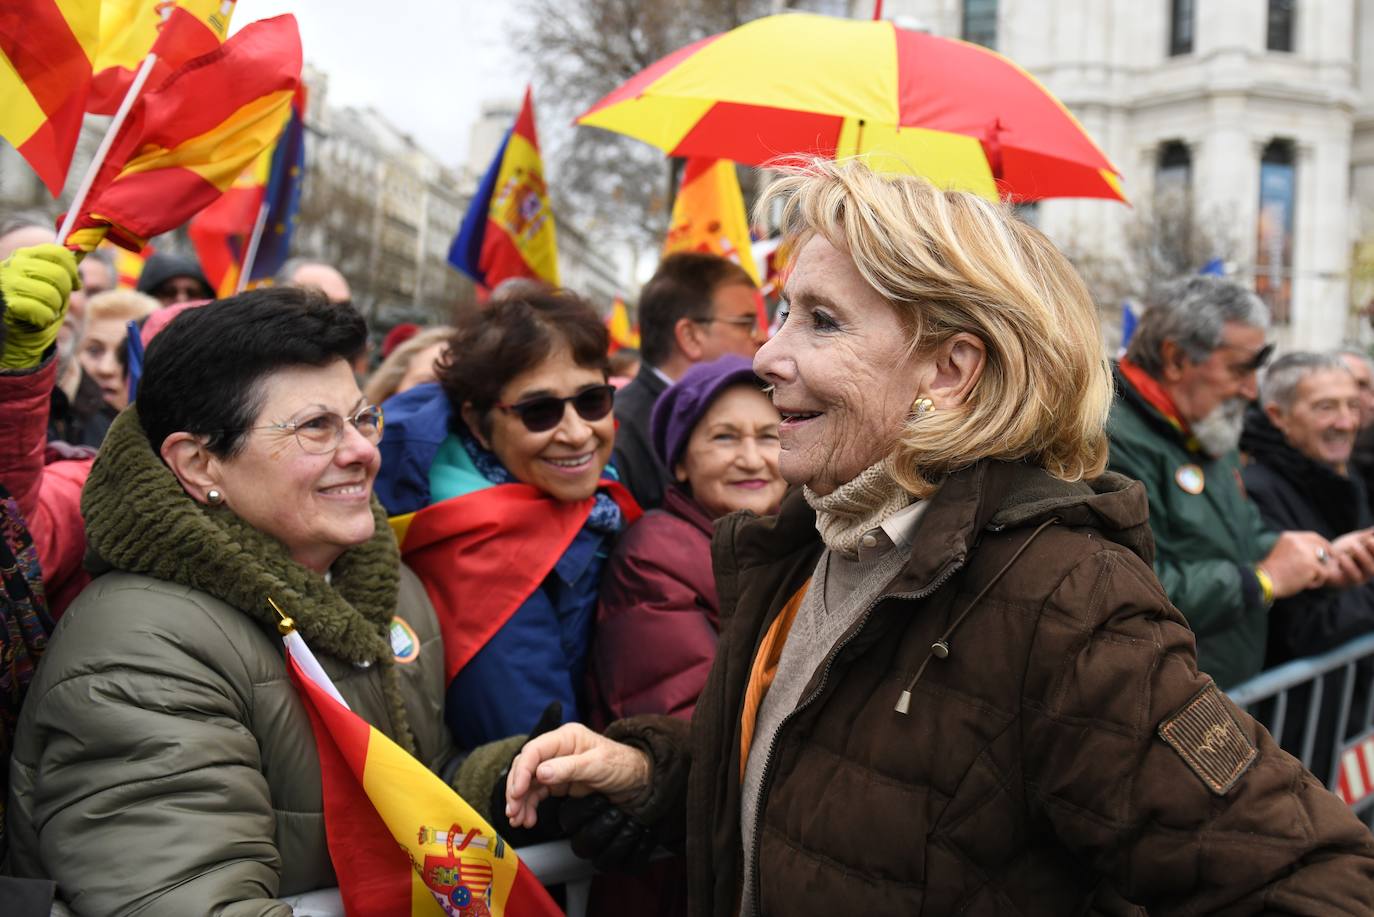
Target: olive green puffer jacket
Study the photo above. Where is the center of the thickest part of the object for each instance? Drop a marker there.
(164, 763)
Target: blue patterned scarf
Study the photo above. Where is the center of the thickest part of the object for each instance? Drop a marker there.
(606, 517)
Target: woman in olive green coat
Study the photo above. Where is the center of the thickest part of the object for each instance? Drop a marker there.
(164, 763)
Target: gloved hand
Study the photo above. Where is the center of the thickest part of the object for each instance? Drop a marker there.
(606, 834)
(547, 829)
(35, 284)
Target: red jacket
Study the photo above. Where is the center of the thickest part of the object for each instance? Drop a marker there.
(658, 619)
(49, 496)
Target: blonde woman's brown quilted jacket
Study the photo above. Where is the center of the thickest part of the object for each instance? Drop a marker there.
(1065, 757)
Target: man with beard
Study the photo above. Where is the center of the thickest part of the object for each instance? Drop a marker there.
(1182, 389)
(1299, 439)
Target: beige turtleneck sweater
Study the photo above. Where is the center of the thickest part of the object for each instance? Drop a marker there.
(867, 526)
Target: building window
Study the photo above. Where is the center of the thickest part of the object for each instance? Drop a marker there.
(1182, 15)
(980, 23)
(1173, 170)
(1274, 251)
(1279, 36)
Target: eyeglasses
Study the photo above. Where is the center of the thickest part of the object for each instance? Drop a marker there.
(322, 433)
(750, 324)
(545, 412)
(1255, 363)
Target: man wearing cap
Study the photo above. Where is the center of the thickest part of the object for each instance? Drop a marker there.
(697, 307)
(171, 278)
(1182, 389)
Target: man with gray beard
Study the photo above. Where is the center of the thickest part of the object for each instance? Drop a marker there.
(1182, 390)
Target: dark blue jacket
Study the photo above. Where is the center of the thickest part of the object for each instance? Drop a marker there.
(540, 654)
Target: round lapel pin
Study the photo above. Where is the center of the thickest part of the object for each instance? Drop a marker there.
(1190, 478)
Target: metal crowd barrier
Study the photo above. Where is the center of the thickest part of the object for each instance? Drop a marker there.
(553, 863)
(1321, 710)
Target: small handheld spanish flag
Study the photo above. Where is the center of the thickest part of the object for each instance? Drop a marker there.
(402, 841)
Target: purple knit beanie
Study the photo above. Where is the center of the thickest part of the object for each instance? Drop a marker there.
(682, 404)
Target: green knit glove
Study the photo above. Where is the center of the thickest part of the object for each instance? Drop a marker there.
(35, 284)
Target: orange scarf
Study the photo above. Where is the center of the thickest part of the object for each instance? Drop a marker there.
(765, 669)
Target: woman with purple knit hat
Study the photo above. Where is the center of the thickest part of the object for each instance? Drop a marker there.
(657, 620)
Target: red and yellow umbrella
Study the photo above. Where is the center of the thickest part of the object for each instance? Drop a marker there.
(800, 84)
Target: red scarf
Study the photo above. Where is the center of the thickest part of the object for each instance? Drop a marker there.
(1153, 393)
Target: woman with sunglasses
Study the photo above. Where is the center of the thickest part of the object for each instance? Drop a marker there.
(503, 464)
(162, 736)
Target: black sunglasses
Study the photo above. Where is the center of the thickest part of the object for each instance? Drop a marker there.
(546, 412)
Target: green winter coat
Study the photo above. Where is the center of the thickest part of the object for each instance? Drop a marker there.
(1206, 543)
(164, 764)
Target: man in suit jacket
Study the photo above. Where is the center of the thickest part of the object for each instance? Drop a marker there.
(695, 308)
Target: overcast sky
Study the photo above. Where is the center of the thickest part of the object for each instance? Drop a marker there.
(426, 64)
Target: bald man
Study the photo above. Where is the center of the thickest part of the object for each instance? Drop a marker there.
(24, 229)
(308, 274)
(299, 272)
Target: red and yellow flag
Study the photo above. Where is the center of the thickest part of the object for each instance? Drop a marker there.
(402, 841)
(508, 229)
(623, 332)
(186, 140)
(174, 30)
(222, 233)
(708, 215)
(46, 49)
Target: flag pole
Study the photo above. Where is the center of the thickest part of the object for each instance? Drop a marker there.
(105, 143)
(252, 254)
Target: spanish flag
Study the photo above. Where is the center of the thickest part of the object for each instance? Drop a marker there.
(223, 231)
(508, 228)
(402, 841)
(46, 49)
(175, 30)
(623, 333)
(708, 215)
(482, 554)
(186, 140)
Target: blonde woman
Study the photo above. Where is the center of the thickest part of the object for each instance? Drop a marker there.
(947, 679)
(101, 348)
(410, 364)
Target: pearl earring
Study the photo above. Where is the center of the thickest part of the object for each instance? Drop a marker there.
(214, 497)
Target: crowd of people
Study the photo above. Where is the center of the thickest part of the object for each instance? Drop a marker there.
(918, 604)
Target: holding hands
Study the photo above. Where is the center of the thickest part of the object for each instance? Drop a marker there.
(1353, 554)
(572, 761)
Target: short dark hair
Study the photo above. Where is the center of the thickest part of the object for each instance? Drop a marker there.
(515, 333)
(682, 287)
(202, 372)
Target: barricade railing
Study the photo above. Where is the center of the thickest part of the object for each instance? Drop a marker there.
(1321, 710)
(553, 863)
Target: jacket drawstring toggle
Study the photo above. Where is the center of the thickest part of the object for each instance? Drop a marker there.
(940, 648)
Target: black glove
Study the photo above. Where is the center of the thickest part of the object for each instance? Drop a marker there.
(606, 834)
(547, 827)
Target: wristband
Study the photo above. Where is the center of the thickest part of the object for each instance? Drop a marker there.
(1266, 586)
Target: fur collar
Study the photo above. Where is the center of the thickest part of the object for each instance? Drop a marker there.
(139, 520)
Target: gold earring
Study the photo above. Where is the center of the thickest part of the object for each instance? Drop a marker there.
(214, 497)
(922, 406)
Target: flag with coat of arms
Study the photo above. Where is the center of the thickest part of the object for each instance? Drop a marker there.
(402, 841)
(508, 229)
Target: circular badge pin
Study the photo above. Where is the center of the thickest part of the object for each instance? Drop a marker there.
(1190, 478)
(405, 646)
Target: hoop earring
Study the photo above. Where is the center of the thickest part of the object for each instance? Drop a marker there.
(214, 497)
(922, 406)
